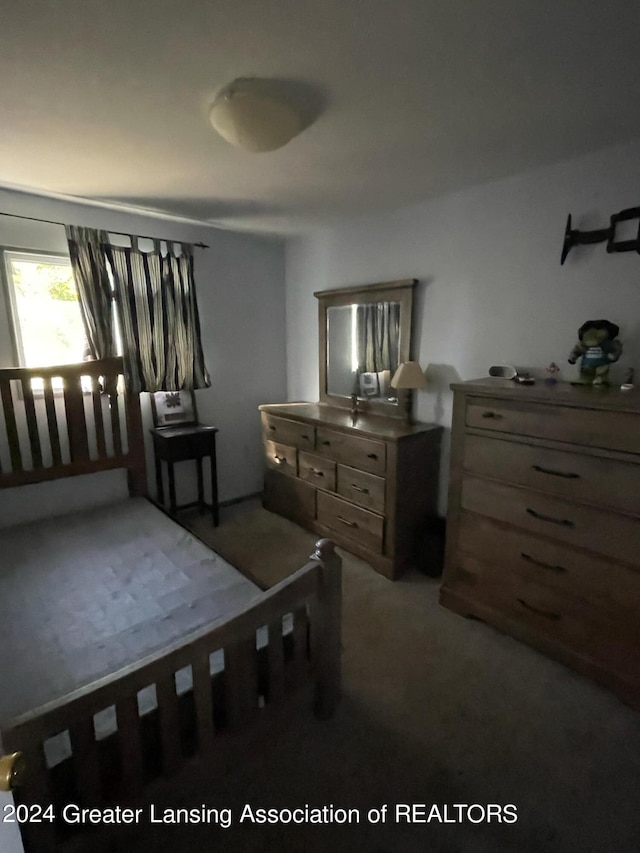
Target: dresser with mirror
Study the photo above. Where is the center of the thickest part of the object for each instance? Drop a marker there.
(353, 466)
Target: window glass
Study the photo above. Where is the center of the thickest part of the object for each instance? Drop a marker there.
(47, 322)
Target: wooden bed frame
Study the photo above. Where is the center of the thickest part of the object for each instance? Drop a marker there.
(76, 419)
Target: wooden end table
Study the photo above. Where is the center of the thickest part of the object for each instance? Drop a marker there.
(178, 443)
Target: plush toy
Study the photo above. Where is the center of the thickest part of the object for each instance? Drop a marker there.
(597, 348)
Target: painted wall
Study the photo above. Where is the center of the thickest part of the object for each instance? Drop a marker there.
(492, 289)
(241, 297)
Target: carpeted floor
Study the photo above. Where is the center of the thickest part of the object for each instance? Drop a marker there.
(264, 546)
(436, 710)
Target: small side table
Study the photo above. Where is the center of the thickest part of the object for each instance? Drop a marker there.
(189, 441)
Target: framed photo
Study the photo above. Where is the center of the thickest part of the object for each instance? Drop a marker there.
(173, 407)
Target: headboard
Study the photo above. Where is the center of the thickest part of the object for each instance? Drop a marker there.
(68, 420)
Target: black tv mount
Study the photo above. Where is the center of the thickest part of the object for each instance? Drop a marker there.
(574, 237)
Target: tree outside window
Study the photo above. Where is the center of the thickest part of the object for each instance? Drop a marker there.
(48, 327)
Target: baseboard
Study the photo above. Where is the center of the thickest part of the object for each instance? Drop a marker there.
(241, 499)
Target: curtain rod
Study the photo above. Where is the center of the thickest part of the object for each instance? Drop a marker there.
(108, 230)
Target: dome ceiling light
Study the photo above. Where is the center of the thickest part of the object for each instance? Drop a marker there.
(253, 114)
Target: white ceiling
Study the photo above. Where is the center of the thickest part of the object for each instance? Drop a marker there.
(109, 100)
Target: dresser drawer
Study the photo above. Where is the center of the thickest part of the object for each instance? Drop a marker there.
(486, 547)
(351, 521)
(289, 496)
(592, 427)
(361, 488)
(284, 431)
(605, 482)
(607, 533)
(363, 453)
(281, 457)
(317, 470)
(558, 618)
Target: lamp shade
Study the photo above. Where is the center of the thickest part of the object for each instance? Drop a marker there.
(409, 375)
(252, 114)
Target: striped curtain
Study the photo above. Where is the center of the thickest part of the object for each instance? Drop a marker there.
(158, 316)
(95, 296)
(377, 336)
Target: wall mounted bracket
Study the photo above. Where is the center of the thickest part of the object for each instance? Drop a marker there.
(574, 237)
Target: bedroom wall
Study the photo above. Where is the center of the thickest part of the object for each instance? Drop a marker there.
(240, 281)
(491, 286)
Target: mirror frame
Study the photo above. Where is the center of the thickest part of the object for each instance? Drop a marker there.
(386, 291)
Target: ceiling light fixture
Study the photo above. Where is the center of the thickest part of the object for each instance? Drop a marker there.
(252, 114)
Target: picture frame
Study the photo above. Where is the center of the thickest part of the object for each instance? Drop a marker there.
(172, 408)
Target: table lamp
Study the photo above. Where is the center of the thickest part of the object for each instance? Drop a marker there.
(408, 377)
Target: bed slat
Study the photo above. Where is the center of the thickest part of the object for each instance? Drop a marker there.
(130, 743)
(35, 789)
(86, 761)
(115, 421)
(76, 422)
(32, 423)
(98, 417)
(169, 727)
(300, 636)
(10, 424)
(52, 421)
(203, 700)
(276, 662)
(241, 682)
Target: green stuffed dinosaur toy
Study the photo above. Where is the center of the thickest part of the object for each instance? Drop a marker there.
(597, 348)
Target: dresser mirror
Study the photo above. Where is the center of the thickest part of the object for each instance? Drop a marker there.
(365, 334)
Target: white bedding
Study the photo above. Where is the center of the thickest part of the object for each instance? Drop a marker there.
(83, 595)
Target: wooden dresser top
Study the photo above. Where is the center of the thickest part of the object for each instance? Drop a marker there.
(391, 429)
(562, 393)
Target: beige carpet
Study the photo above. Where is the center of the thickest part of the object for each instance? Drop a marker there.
(436, 709)
(264, 546)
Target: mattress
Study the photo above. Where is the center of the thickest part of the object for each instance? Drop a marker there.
(83, 595)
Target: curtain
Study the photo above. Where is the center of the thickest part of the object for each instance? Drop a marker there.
(89, 265)
(377, 336)
(158, 315)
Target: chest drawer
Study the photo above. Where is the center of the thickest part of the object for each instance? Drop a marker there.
(592, 427)
(359, 524)
(557, 618)
(317, 470)
(609, 534)
(364, 453)
(364, 489)
(486, 547)
(281, 457)
(592, 479)
(284, 431)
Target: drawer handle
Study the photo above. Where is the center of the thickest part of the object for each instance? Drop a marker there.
(563, 522)
(326, 443)
(280, 460)
(271, 426)
(548, 614)
(359, 489)
(316, 472)
(491, 415)
(566, 474)
(559, 569)
(306, 437)
(372, 455)
(348, 523)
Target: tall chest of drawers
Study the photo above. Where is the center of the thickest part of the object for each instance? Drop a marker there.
(543, 532)
(369, 484)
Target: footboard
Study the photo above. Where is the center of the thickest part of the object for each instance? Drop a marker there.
(209, 686)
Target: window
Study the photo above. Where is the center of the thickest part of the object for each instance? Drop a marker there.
(44, 307)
